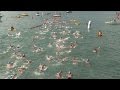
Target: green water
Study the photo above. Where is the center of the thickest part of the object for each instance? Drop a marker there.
(104, 65)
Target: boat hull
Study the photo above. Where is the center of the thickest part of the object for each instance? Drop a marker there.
(112, 23)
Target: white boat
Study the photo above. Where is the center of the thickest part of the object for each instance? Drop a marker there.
(37, 14)
(68, 11)
(56, 15)
(24, 14)
(115, 21)
(112, 22)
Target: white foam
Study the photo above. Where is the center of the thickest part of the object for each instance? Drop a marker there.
(68, 51)
(18, 35)
(57, 64)
(38, 73)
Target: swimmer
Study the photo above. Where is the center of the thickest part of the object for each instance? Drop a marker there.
(69, 75)
(36, 37)
(63, 59)
(12, 28)
(24, 66)
(38, 50)
(49, 58)
(42, 67)
(61, 40)
(10, 65)
(75, 61)
(28, 62)
(34, 47)
(96, 50)
(63, 33)
(73, 45)
(18, 46)
(50, 45)
(20, 55)
(17, 49)
(59, 47)
(10, 77)
(54, 35)
(14, 76)
(76, 34)
(86, 61)
(11, 46)
(23, 55)
(65, 39)
(59, 75)
(99, 34)
(10, 34)
(21, 70)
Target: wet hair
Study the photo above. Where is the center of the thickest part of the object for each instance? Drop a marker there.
(12, 27)
(10, 63)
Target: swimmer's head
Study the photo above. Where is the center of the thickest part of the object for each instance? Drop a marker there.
(69, 72)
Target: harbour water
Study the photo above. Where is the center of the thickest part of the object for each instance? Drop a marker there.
(103, 65)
